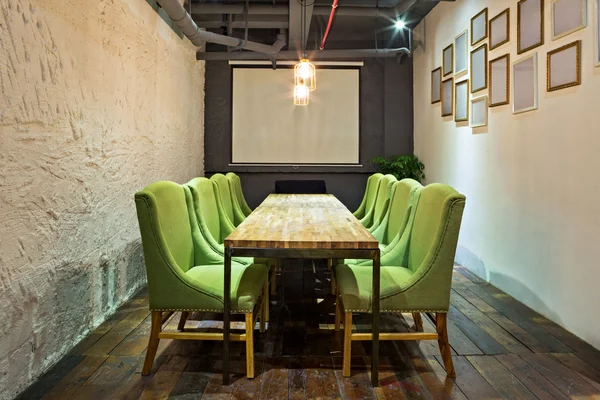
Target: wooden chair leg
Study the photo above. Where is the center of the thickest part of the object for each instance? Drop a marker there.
(442, 331)
(184, 317)
(249, 346)
(264, 307)
(274, 277)
(153, 342)
(330, 267)
(418, 321)
(267, 303)
(347, 344)
(338, 311)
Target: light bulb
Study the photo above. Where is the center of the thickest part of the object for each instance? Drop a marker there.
(400, 24)
(301, 91)
(304, 70)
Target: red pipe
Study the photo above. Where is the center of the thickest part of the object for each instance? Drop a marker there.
(331, 16)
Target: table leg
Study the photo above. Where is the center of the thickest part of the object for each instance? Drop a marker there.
(375, 323)
(226, 313)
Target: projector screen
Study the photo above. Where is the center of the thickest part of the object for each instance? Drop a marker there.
(267, 128)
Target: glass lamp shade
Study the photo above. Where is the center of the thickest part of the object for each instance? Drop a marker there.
(305, 74)
(301, 95)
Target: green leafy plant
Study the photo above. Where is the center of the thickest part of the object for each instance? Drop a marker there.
(401, 167)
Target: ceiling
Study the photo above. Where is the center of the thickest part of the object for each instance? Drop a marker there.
(347, 32)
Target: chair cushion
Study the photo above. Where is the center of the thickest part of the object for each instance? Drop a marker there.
(361, 260)
(246, 283)
(355, 284)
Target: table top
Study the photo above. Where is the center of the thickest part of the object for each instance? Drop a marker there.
(301, 221)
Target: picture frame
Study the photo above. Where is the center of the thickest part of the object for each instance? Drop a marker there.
(448, 97)
(530, 25)
(563, 66)
(479, 27)
(461, 101)
(479, 112)
(448, 60)
(479, 68)
(436, 85)
(461, 53)
(499, 29)
(499, 77)
(525, 84)
(568, 16)
(597, 33)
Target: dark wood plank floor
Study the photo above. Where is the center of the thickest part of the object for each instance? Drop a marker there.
(501, 349)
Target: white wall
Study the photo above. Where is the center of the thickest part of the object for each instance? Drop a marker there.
(98, 98)
(532, 223)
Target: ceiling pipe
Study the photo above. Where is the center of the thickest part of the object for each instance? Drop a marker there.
(261, 9)
(334, 6)
(354, 54)
(198, 37)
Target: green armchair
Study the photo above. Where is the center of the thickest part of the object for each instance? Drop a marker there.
(236, 187)
(185, 274)
(419, 280)
(405, 197)
(213, 225)
(369, 197)
(228, 209)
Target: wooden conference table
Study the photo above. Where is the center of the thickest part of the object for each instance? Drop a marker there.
(301, 226)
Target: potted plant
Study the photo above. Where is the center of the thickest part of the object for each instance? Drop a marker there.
(401, 167)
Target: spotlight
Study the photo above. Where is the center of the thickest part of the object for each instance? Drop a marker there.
(400, 24)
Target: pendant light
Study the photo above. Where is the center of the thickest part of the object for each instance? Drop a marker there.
(304, 72)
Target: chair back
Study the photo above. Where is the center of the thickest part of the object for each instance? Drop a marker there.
(402, 201)
(435, 229)
(300, 186)
(236, 187)
(383, 195)
(371, 190)
(166, 239)
(205, 206)
(223, 194)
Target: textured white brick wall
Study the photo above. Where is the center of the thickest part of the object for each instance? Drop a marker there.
(98, 98)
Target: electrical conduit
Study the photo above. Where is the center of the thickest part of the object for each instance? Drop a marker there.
(331, 16)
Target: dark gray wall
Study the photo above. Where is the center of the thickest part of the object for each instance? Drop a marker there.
(386, 124)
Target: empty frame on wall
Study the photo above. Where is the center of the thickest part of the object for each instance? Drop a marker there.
(448, 60)
(500, 29)
(461, 53)
(597, 33)
(479, 62)
(436, 85)
(525, 87)
(479, 27)
(479, 112)
(499, 78)
(564, 67)
(568, 16)
(530, 25)
(447, 97)
(461, 101)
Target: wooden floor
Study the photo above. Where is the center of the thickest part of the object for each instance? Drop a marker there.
(501, 349)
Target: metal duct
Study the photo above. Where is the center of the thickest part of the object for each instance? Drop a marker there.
(355, 54)
(198, 37)
(284, 9)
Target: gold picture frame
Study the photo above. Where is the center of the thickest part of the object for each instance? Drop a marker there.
(580, 24)
(461, 53)
(445, 104)
(460, 114)
(448, 50)
(436, 95)
(475, 68)
(506, 59)
(577, 67)
(506, 30)
(474, 22)
(529, 22)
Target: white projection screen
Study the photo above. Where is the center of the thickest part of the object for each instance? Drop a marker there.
(267, 128)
